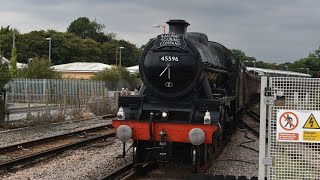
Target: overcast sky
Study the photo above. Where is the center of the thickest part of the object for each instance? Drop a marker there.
(270, 30)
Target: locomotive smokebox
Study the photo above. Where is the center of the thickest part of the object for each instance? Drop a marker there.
(177, 26)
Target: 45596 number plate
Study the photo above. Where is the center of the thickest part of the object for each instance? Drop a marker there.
(169, 58)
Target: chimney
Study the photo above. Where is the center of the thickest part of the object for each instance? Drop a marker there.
(177, 26)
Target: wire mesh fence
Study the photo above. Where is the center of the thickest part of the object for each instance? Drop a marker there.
(293, 160)
(55, 91)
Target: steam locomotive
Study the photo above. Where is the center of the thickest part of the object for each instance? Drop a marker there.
(192, 91)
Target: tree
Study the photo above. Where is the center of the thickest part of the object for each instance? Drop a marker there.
(130, 55)
(39, 68)
(4, 76)
(13, 63)
(4, 79)
(67, 47)
(84, 28)
(242, 56)
(6, 40)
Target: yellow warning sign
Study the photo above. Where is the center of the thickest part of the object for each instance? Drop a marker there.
(311, 136)
(311, 123)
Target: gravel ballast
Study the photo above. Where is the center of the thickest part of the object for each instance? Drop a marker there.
(36, 132)
(236, 160)
(87, 163)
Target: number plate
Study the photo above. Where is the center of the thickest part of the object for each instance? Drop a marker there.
(169, 58)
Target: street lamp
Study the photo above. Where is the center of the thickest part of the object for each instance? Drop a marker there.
(120, 54)
(49, 39)
(158, 26)
(300, 70)
(307, 70)
(286, 68)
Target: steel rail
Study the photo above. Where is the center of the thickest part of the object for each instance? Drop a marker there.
(55, 150)
(254, 115)
(65, 122)
(119, 171)
(51, 138)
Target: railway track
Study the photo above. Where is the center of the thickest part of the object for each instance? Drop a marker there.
(254, 115)
(127, 172)
(251, 121)
(29, 151)
(5, 130)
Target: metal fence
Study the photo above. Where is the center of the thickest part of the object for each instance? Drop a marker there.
(54, 91)
(295, 153)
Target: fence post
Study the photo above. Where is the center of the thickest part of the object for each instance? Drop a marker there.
(44, 89)
(46, 98)
(12, 90)
(26, 90)
(94, 93)
(80, 98)
(106, 93)
(29, 101)
(65, 101)
(98, 108)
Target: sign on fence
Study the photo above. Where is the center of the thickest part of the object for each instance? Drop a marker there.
(290, 109)
(298, 126)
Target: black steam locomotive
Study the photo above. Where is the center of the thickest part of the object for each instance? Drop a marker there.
(188, 100)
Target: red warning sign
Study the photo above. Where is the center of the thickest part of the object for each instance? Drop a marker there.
(288, 121)
(288, 136)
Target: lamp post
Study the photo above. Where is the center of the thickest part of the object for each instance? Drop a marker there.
(307, 70)
(300, 70)
(120, 54)
(49, 39)
(158, 26)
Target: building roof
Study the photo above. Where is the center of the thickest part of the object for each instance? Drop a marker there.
(19, 65)
(272, 72)
(133, 69)
(81, 67)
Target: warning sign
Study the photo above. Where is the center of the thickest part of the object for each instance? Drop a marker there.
(298, 126)
(289, 136)
(289, 121)
(311, 123)
(311, 136)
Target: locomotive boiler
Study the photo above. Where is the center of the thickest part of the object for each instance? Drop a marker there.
(187, 102)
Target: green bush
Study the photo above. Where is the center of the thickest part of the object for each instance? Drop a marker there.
(115, 75)
(4, 79)
(39, 68)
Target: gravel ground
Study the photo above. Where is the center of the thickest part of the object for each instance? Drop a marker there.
(87, 163)
(235, 160)
(36, 132)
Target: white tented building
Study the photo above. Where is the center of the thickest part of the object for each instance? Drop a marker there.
(80, 70)
(133, 69)
(19, 65)
(273, 73)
